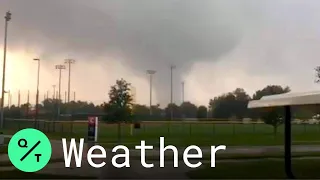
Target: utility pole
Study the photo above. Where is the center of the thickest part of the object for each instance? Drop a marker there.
(171, 93)
(59, 67)
(7, 19)
(151, 73)
(74, 96)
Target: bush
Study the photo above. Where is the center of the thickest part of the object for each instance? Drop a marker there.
(137, 125)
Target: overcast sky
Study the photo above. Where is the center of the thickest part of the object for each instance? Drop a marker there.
(216, 45)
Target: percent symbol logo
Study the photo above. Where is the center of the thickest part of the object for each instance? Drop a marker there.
(29, 158)
(24, 145)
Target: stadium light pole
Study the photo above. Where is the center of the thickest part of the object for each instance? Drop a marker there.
(8, 92)
(182, 84)
(59, 67)
(37, 96)
(69, 62)
(54, 91)
(172, 67)
(151, 73)
(7, 19)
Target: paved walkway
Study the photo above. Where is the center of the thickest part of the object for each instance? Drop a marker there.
(136, 171)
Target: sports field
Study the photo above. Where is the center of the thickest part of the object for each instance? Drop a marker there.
(176, 133)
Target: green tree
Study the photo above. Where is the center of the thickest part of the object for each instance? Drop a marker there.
(202, 112)
(232, 104)
(141, 112)
(158, 113)
(271, 116)
(241, 102)
(25, 108)
(188, 110)
(175, 110)
(120, 103)
(222, 106)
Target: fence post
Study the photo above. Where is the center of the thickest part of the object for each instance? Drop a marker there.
(71, 118)
(234, 128)
(213, 128)
(254, 127)
(1, 139)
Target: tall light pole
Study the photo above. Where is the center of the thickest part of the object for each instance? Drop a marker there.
(171, 93)
(19, 96)
(59, 67)
(69, 62)
(151, 73)
(28, 102)
(65, 97)
(8, 92)
(37, 96)
(182, 91)
(54, 91)
(7, 19)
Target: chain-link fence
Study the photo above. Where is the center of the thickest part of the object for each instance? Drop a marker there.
(163, 128)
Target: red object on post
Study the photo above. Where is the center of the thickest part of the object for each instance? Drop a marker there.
(92, 129)
(92, 121)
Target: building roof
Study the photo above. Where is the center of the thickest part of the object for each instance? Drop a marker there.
(287, 99)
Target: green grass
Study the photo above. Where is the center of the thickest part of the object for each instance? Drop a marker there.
(16, 174)
(264, 169)
(183, 134)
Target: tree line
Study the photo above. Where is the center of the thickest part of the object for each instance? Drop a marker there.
(120, 107)
(228, 106)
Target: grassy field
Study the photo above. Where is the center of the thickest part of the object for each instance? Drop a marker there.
(202, 134)
(179, 134)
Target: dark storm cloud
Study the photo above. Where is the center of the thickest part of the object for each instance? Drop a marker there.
(144, 33)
